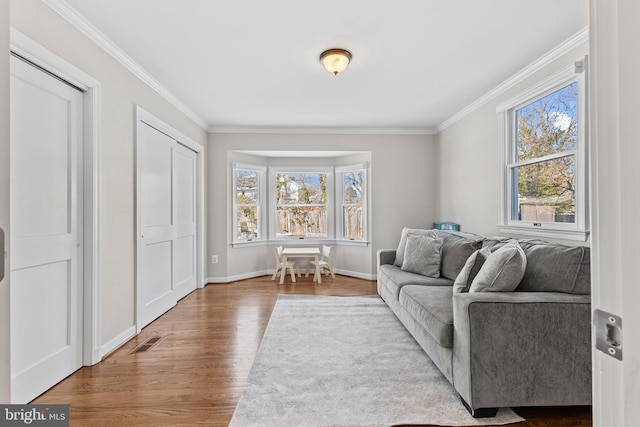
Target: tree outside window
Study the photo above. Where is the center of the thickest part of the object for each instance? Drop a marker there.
(544, 175)
(353, 204)
(247, 189)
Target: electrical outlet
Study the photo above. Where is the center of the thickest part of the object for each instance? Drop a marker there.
(214, 259)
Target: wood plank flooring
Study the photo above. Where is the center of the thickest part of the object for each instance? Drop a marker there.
(195, 373)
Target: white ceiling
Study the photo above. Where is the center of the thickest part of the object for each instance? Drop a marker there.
(253, 64)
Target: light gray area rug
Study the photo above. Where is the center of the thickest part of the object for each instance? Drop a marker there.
(346, 361)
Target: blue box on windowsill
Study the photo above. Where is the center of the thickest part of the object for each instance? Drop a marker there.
(446, 226)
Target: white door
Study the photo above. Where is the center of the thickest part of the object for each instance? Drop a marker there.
(46, 230)
(184, 259)
(157, 224)
(167, 223)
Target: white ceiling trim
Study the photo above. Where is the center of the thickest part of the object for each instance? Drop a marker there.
(67, 12)
(572, 42)
(323, 130)
(70, 14)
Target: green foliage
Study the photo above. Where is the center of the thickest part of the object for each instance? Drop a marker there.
(549, 127)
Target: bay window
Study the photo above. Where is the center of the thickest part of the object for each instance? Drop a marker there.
(280, 203)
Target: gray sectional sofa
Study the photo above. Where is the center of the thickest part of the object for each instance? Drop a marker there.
(498, 346)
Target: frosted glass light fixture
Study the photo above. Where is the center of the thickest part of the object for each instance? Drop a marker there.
(335, 60)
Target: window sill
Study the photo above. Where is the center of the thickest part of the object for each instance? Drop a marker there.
(299, 242)
(573, 235)
(249, 243)
(362, 243)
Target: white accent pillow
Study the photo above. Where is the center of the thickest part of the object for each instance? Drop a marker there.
(502, 271)
(422, 255)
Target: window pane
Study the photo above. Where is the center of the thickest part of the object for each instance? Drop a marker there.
(546, 191)
(301, 221)
(353, 186)
(548, 125)
(246, 186)
(247, 222)
(352, 222)
(301, 188)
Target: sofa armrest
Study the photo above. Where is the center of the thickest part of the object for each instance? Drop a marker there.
(522, 349)
(386, 256)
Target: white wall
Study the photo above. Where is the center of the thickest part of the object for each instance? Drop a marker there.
(5, 371)
(403, 178)
(121, 91)
(470, 158)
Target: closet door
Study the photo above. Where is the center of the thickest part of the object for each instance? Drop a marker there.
(167, 185)
(157, 224)
(184, 259)
(46, 230)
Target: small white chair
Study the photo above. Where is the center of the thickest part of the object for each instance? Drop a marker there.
(324, 263)
(282, 268)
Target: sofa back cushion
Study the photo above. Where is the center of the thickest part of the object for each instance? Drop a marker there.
(552, 267)
(457, 247)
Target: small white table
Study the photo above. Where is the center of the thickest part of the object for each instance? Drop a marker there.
(302, 253)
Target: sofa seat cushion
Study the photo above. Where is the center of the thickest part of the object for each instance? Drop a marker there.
(432, 307)
(395, 279)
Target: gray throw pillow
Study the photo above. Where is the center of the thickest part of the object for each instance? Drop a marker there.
(422, 255)
(470, 270)
(502, 271)
(403, 242)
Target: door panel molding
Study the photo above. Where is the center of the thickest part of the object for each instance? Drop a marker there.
(35, 53)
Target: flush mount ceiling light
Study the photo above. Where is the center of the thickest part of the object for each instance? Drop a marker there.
(335, 60)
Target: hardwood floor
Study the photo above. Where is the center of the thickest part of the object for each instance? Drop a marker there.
(195, 373)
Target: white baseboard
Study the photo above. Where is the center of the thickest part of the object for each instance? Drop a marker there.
(238, 277)
(117, 341)
(355, 274)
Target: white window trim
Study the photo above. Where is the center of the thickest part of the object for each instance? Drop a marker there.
(339, 197)
(577, 231)
(273, 170)
(261, 211)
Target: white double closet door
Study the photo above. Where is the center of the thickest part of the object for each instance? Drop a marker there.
(46, 230)
(167, 184)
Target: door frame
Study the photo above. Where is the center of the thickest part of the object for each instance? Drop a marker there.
(49, 62)
(614, 91)
(144, 117)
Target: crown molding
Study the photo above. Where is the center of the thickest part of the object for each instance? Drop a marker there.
(63, 9)
(322, 130)
(79, 22)
(571, 43)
